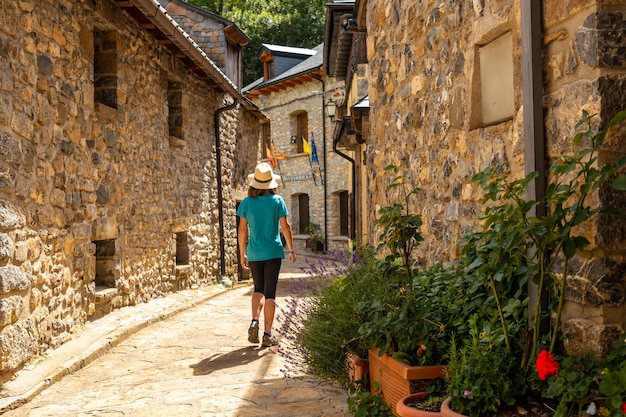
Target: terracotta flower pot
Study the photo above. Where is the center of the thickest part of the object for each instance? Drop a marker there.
(404, 410)
(397, 380)
(446, 411)
(357, 367)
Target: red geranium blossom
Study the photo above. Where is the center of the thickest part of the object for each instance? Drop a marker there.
(624, 408)
(546, 365)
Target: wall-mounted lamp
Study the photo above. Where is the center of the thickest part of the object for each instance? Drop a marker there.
(294, 139)
(331, 108)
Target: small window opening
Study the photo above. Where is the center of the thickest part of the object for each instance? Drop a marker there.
(182, 249)
(105, 68)
(175, 106)
(105, 263)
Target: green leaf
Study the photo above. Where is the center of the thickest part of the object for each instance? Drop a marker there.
(577, 138)
(581, 242)
(569, 248)
(619, 183)
(613, 212)
(621, 162)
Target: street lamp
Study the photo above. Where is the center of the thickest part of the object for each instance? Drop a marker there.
(331, 109)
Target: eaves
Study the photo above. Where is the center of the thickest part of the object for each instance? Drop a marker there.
(286, 83)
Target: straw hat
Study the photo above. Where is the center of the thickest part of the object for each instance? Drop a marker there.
(263, 177)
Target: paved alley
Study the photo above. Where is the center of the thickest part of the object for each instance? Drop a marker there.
(193, 362)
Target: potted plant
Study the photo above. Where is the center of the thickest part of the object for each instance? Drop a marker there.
(501, 364)
(409, 329)
(420, 404)
(406, 321)
(368, 404)
(315, 241)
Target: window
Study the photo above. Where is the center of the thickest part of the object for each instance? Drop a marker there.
(266, 137)
(105, 68)
(268, 69)
(302, 130)
(496, 80)
(303, 213)
(182, 249)
(105, 263)
(343, 213)
(175, 108)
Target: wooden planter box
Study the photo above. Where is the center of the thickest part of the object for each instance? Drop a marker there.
(396, 380)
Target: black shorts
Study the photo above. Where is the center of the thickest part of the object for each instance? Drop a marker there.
(265, 276)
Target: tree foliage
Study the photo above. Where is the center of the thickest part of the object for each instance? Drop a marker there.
(298, 23)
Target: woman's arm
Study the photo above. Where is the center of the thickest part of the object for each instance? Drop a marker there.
(242, 238)
(285, 227)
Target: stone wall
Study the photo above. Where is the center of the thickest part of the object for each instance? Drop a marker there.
(421, 57)
(586, 69)
(99, 207)
(425, 116)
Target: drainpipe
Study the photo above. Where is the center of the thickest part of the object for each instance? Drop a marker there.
(324, 151)
(223, 279)
(353, 166)
(534, 137)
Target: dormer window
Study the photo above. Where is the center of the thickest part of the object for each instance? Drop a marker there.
(268, 69)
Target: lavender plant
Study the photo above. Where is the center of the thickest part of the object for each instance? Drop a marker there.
(310, 344)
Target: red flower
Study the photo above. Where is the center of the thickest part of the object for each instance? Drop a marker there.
(624, 408)
(546, 365)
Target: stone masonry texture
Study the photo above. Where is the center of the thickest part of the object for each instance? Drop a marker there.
(92, 193)
(425, 117)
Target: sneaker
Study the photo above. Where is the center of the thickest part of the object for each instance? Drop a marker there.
(253, 332)
(268, 340)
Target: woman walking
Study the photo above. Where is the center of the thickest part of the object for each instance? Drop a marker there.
(264, 213)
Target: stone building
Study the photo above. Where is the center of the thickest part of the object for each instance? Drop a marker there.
(293, 94)
(345, 59)
(120, 164)
(458, 86)
(219, 38)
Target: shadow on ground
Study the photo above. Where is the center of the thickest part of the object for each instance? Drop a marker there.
(227, 360)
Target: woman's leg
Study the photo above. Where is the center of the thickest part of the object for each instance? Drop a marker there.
(257, 299)
(257, 268)
(272, 269)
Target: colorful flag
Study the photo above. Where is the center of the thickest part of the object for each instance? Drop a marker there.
(278, 154)
(270, 157)
(314, 152)
(306, 147)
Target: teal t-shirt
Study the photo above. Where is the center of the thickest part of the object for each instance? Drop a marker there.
(263, 214)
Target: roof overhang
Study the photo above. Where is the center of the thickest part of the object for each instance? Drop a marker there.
(337, 40)
(286, 83)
